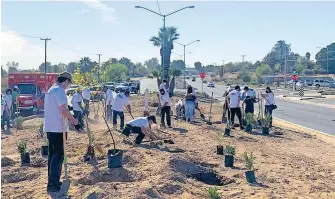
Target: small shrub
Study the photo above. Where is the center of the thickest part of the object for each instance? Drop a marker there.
(220, 137)
(19, 122)
(21, 146)
(40, 132)
(249, 117)
(213, 193)
(266, 121)
(249, 160)
(229, 124)
(230, 150)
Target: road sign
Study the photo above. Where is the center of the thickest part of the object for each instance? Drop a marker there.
(202, 75)
(295, 77)
(301, 91)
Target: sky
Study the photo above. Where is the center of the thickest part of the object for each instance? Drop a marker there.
(226, 30)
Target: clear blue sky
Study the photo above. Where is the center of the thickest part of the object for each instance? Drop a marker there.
(115, 29)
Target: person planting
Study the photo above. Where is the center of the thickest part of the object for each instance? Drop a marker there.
(121, 100)
(109, 102)
(86, 94)
(269, 103)
(164, 86)
(56, 116)
(249, 98)
(6, 102)
(78, 110)
(189, 105)
(142, 127)
(234, 105)
(165, 102)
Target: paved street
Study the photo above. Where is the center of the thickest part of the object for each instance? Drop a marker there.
(314, 117)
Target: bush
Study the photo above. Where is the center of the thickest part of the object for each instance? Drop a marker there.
(244, 75)
(249, 160)
(21, 146)
(230, 150)
(213, 194)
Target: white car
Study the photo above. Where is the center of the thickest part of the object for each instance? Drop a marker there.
(210, 84)
(321, 83)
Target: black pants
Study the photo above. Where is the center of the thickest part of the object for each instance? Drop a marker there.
(237, 112)
(136, 130)
(55, 157)
(166, 110)
(79, 116)
(115, 114)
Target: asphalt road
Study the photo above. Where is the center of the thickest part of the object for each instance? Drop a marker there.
(314, 117)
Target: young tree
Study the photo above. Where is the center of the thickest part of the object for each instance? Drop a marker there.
(152, 64)
(115, 72)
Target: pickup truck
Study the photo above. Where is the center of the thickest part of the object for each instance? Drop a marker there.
(131, 87)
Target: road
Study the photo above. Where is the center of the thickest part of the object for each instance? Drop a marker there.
(310, 116)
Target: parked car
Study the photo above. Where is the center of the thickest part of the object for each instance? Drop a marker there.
(131, 87)
(308, 82)
(96, 92)
(72, 89)
(320, 83)
(111, 85)
(193, 79)
(210, 84)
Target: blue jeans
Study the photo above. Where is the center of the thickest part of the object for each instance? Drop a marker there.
(115, 114)
(55, 157)
(268, 111)
(5, 118)
(189, 110)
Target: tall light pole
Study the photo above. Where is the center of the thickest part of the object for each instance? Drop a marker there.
(164, 29)
(184, 45)
(45, 53)
(243, 57)
(99, 67)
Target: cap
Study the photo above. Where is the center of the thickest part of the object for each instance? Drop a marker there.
(66, 75)
(152, 118)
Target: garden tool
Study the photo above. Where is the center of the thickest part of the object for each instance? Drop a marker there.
(210, 112)
(66, 182)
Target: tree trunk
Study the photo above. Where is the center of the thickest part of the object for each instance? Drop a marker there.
(172, 85)
(166, 63)
(159, 81)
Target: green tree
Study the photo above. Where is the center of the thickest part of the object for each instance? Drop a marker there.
(157, 75)
(72, 66)
(198, 66)
(152, 64)
(171, 35)
(321, 58)
(277, 54)
(178, 64)
(86, 64)
(3, 72)
(12, 67)
(263, 69)
(42, 68)
(244, 75)
(115, 72)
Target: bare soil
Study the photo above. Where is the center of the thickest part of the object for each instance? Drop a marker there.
(289, 164)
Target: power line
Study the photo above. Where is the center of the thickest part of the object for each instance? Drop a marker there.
(159, 8)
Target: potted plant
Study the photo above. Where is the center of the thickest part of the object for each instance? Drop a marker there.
(114, 155)
(229, 156)
(265, 123)
(228, 128)
(249, 117)
(249, 163)
(219, 147)
(213, 193)
(45, 147)
(22, 149)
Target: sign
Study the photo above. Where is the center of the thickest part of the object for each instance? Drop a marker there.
(202, 75)
(301, 91)
(295, 77)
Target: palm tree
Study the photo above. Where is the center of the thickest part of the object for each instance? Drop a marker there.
(157, 74)
(170, 36)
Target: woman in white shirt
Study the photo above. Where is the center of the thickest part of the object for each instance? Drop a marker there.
(269, 102)
(7, 103)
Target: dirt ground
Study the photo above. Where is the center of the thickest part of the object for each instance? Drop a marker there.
(289, 164)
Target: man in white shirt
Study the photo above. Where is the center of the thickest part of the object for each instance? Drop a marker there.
(109, 96)
(164, 86)
(56, 116)
(121, 100)
(78, 110)
(165, 103)
(86, 94)
(234, 105)
(4, 114)
(142, 127)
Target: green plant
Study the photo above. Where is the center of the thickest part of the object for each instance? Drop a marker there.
(229, 124)
(220, 137)
(266, 121)
(18, 122)
(230, 150)
(213, 193)
(249, 160)
(22, 146)
(40, 132)
(249, 117)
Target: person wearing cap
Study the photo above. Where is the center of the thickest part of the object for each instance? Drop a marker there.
(142, 127)
(165, 102)
(78, 109)
(121, 100)
(56, 116)
(249, 98)
(86, 94)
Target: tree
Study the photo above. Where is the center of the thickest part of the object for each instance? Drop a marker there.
(86, 64)
(301, 65)
(174, 73)
(3, 72)
(277, 54)
(321, 58)
(72, 66)
(308, 56)
(115, 72)
(85, 79)
(263, 69)
(171, 35)
(152, 64)
(42, 67)
(157, 75)
(198, 66)
(244, 75)
(12, 67)
(178, 64)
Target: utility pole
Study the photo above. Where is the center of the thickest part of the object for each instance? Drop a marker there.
(45, 53)
(222, 68)
(243, 57)
(99, 68)
(285, 66)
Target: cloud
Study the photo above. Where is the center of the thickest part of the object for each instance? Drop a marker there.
(107, 13)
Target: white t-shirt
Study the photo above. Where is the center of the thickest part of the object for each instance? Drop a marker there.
(139, 122)
(269, 100)
(110, 97)
(162, 86)
(3, 104)
(53, 118)
(121, 100)
(9, 100)
(76, 98)
(179, 104)
(165, 98)
(86, 94)
(234, 97)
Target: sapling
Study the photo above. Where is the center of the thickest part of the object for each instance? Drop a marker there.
(40, 132)
(91, 144)
(220, 138)
(230, 150)
(22, 147)
(266, 121)
(249, 160)
(213, 193)
(18, 122)
(249, 117)
(229, 125)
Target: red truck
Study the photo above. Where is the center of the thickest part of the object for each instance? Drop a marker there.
(33, 87)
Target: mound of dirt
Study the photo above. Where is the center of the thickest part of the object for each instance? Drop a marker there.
(5, 162)
(19, 175)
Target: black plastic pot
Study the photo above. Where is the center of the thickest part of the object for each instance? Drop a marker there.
(227, 132)
(115, 158)
(45, 150)
(265, 130)
(248, 128)
(250, 176)
(25, 159)
(228, 161)
(219, 150)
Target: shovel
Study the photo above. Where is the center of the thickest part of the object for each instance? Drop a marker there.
(66, 182)
(210, 112)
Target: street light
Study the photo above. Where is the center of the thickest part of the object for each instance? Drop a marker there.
(327, 58)
(180, 56)
(164, 30)
(184, 45)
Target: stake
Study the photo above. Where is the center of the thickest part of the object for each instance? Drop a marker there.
(110, 132)
(210, 112)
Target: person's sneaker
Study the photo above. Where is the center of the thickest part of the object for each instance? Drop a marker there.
(170, 127)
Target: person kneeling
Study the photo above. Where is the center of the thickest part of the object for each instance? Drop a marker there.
(142, 127)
